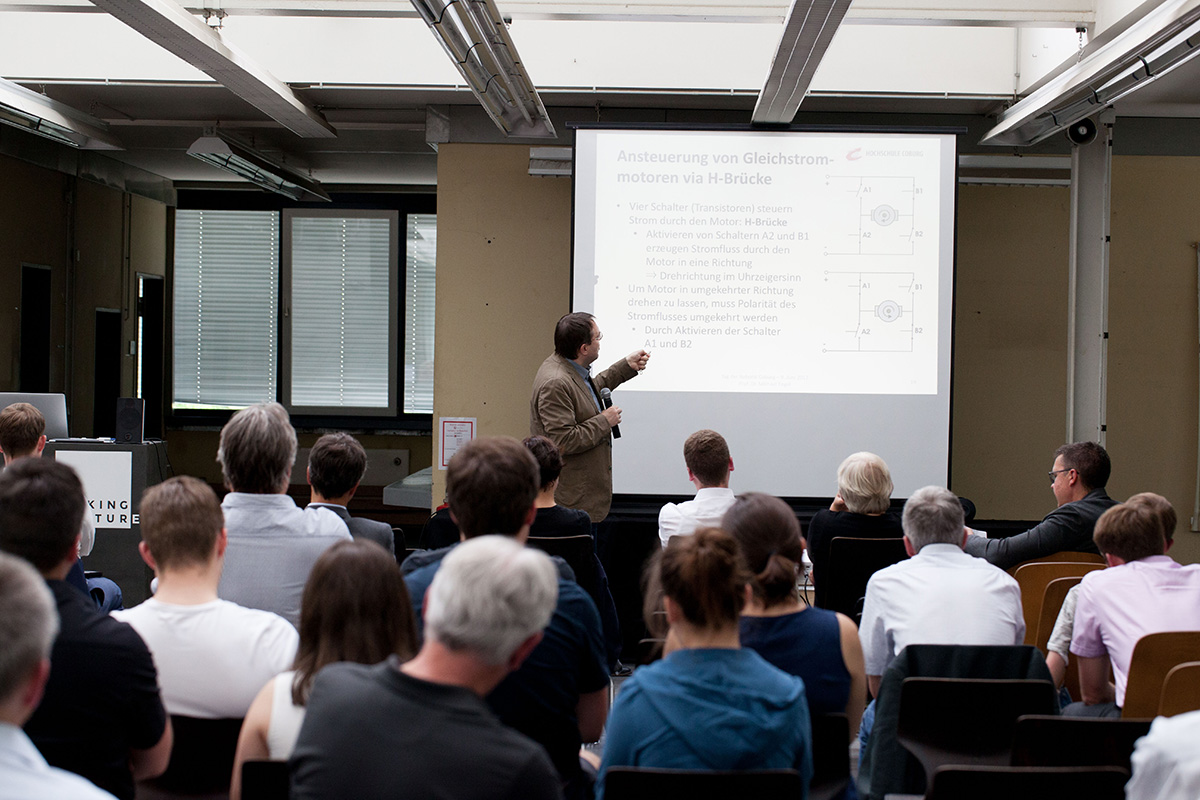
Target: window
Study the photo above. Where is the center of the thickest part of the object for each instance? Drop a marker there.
(304, 306)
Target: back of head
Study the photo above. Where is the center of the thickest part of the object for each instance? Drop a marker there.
(181, 518)
(257, 450)
(336, 463)
(21, 426)
(572, 332)
(27, 626)
(355, 608)
(490, 595)
(704, 575)
(1162, 507)
(1131, 531)
(865, 483)
(933, 515)
(1089, 460)
(491, 484)
(41, 510)
(707, 456)
(769, 534)
(548, 457)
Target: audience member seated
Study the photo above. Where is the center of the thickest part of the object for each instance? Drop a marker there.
(355, 609)
(860, 510)
(1166, 762)
(559, 695)
(940, 595)
(212, 655)
(708, 705)
(28, 630)
(23, 435)
(272, 543)
(101, 716)
(420, 728)
(820, 647)
(553, 520)
(1142, 591)
(1059, 645)
(336, 464)
(1078, 478)
(708, 462)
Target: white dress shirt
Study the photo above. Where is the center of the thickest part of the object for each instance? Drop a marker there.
(24, 774)
(685, 518)
(1166, 761)
(939, 596)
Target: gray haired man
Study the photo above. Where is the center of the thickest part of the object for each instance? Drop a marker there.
(422, 729)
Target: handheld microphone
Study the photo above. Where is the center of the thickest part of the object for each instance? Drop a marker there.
(606, 399)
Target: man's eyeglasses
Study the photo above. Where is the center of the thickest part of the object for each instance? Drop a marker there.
(1055, 472)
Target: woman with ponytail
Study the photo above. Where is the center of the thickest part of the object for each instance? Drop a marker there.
(819, 646)
(708, 705)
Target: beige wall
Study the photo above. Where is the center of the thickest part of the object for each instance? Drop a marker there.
(1010, 347)
(503, 280)
(1153, 380)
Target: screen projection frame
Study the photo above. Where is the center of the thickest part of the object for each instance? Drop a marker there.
(783, 443)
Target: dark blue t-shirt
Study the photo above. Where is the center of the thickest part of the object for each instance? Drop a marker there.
(807, 644)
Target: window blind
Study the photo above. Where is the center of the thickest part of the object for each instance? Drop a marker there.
(420, 275)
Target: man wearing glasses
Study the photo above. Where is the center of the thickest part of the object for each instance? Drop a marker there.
(1078, 478)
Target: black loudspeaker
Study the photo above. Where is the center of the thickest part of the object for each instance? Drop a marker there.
(1082, 132)
(131, 417)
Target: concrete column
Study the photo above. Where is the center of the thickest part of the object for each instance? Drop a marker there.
(1087, 293)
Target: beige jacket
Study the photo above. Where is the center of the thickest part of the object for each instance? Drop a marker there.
(562, 409)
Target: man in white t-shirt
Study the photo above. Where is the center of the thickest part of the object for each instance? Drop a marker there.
(706, 455)
(212, 655)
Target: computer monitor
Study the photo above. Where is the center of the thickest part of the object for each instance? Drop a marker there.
(52, 406)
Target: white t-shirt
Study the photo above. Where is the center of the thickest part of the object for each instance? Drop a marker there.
(939, 596)
(214, 657)
(1166, 762)
(706, 510)
(286, 719)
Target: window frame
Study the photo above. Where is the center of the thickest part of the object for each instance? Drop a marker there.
(420, 200)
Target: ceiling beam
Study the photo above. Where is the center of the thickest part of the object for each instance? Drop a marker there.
(807, 33)
(173, 28)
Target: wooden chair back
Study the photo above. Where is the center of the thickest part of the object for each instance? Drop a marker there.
(1181, 690)
(1061, 556)
(1033, 578)
(265, 780)
(946, 721)
(1005, 783)
(1153, 657)
(637, 783)
(1054, 741)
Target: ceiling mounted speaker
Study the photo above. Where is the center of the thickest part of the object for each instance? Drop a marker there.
(1082, 132)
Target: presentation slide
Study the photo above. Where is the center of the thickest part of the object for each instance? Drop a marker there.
(794, 291)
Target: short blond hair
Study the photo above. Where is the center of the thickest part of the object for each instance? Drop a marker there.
(865, 483)
(21, 426)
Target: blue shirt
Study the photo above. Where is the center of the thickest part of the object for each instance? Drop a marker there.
(710, 709)
(586, 374)
(807, 644)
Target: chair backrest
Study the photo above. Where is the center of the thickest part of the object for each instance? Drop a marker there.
(579, 553)
(1006, 783)
(1181, 690)
(831, 756)
(966, 721)
(636, 783)
(265, 780)
(852, 562)
(1064, 555)
(1033, 577)
(1153, 657)
(201, 756)
(1052, 602)
(1054, 741)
